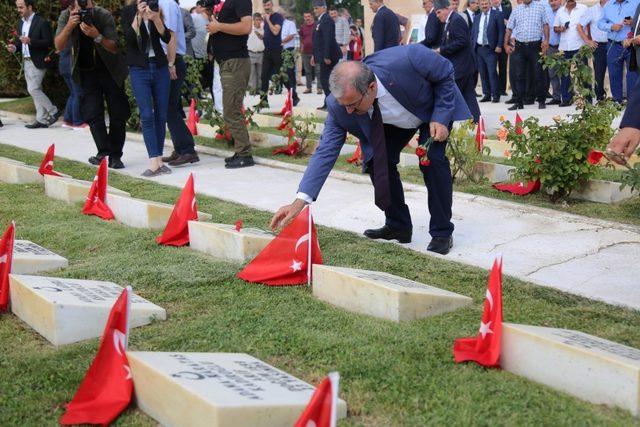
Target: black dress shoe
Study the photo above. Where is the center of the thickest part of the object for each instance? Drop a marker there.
(495, 100)
(54, 118)
(554, 102)
(485, 99)
(36, 125)
(529, 102)
(388, 233)
(184, 159)
(240, 162)
(503, 93)
(1, 124)
(116, 164)
(171, 158)
(440, 245)
(95, 160)
(564, 104)
(541, 105)
(511, 101)
(515, 107)
(296, 101)
(228, 159)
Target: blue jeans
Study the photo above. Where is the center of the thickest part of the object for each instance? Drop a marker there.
(151, 90)
(72, 110)
(180, 135)
(617, 56)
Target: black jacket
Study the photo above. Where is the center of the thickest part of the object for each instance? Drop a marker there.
(41, 40)
(136, 50)
(385, 29)
(325, 45)
(455, 45)
(432, 31)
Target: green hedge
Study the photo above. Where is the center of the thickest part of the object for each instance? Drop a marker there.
(54, 86)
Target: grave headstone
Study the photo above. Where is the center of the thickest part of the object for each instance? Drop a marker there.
(217, 390)
(29, 258)
(71, 190)
(13, 172)
(582, 365)
(65, 311)
(223, 241)
(381, 294)
(142, 213)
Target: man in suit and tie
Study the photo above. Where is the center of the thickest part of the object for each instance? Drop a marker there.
(394, 94)
(433, 27)
(385, 29)
(488, 37)
(626, 141)
(455, 45)
(505, 8)
(326, 51)
(33, 41)
(470, 12)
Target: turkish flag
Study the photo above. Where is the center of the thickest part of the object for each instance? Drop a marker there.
(518, 124)
(96, 203)
(287, 109)
(481, 134)
(46, 167)
(519, 188)
(176, 233)
(107, 386)
(290, 150)
(485, 348)
(322, 409)
(6, 257)
(355, 158)
(285, 261)
(193, 119)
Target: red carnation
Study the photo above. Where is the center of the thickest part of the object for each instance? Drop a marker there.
(14, 33)
(420, 151)
(47, 59)
(594, 157)
(425, 162)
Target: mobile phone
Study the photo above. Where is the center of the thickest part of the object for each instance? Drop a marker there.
(566, 25)
(627, 18)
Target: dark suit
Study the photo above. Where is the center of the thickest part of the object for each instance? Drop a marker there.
(41, 40)
(325, 47)
(385, 29)
(455, 45)
(631, 117)
(469, 17)
(502, 56)
(487, 58)
(422, 82)
(432, 31)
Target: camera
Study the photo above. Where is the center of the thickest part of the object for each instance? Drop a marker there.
(85, 14)
(153, 5)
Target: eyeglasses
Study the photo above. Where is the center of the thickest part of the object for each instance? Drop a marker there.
(355, 105)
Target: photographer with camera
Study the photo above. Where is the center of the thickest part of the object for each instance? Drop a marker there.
(229, 34)
(100, 70)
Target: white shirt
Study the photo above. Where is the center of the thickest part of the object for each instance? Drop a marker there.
(152, 53)
(255, 43)
(591, 18)
(289, 29)
(570, 40)
(482, 24)
(26, 26)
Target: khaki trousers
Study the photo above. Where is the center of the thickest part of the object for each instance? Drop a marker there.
(234, 74)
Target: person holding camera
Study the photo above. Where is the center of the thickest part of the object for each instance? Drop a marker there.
(229, 33)
(101, 72)
(149, 75)
(33, 41)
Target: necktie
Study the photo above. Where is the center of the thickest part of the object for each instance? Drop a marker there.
(485, 37)
(380, 164)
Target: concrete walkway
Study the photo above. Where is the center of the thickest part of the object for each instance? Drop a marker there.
(583, 256)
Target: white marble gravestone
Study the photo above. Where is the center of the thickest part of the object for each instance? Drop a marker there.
(142, 213)
(15, 172)
(29, 258)
(65, 311)
(583, 365)
(223, 241)
(217, 390)
(71, 190)
(381, 294)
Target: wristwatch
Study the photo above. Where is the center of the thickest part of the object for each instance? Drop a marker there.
(98, 39)
(172, 65)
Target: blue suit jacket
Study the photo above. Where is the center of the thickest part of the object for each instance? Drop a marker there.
(385, 29)
(432, 31)
(631, 117)
(495, 29)
(418, 78)
(456, 46)
(324, 41)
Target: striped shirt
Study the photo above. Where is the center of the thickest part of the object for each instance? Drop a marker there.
(527, 21)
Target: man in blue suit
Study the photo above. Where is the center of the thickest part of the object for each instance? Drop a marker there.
(385, 29)
(487, 36)
(394, 94)
(432, 28)
(455, 45)
(626, 141)
(326, 51)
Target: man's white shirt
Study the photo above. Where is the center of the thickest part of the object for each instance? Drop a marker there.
(26, 26)
(570, 40)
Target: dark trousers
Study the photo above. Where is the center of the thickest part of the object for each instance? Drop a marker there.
(565, 83)
(325, 72)
(99, 87)
(291, 75)
(437, 178)
(180, 135)
(271, 63)
(502, 71)
(600, 69)
(487, 60)
(467, 86)
(525, 60)
(617, 57)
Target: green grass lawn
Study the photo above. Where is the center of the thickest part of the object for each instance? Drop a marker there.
(392, 374)
(20, 106)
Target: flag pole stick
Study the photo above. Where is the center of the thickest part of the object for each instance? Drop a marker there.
(310, 241)
(128, 310)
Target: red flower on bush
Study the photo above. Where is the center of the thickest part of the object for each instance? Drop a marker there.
(425, 162)
(14, 33)
(420, 151)
(594, 157)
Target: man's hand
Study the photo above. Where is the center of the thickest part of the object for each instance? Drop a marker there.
(74, 20)
(11, 48)
(286, 214)
(592, 44)
(89, 30)
(313, 61)
(544, 47)
(173, 75)
(626, 43)
(508, 49)
(616, 27)
(625, 142)
(25, 40)
(498, 49)
(327, 61)
(438, 131)
(266, 18)
(213, 26)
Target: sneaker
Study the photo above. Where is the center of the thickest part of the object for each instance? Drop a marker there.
(240, 162)
(185, 159)
(149, 173)
(165, 169)
(228, 159)
(116, 164)
(171, 158)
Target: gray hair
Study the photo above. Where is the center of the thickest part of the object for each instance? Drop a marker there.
(355, 74)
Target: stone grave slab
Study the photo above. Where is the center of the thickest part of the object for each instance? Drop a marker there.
(29, 258)
(582, 365)
(381, 294)
(142, 213)
(217, 390)
(13, 172)
(71, 190)
(223, 241)
(8, 160)
(65, 311)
